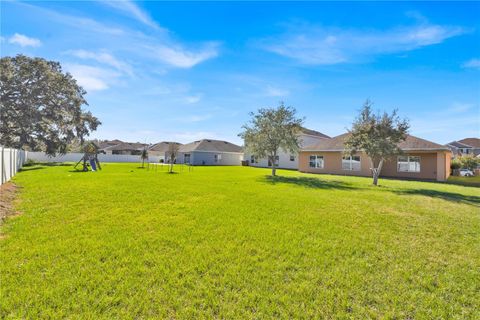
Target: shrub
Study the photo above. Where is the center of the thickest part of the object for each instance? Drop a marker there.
(29, 163)
(456, 164)
(469, 162)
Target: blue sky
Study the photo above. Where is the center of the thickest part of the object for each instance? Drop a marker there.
(187, 70)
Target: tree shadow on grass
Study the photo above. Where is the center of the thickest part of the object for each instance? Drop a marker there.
(308, 182)
(449, 196)
(23, 169)
(43, 165)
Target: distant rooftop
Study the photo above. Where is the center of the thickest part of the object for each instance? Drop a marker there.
(162, 146)
(314, 133)
(211, 145)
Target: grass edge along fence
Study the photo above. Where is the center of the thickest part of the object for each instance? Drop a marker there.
(11, 161)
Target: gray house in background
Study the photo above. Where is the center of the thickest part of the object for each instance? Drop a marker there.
(467, 146)
(125, 148)
(208, 152)
(161, 149)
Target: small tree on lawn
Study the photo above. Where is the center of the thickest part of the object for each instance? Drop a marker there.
(272, 129)
(144, 156)
(172, 154)
(378, 135)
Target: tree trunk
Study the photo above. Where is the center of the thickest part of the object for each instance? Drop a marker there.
(274, 167)
(143, 163)
(376, 171)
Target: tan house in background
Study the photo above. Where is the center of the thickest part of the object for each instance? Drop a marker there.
(422, 159)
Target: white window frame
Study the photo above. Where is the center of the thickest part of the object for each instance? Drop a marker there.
(292, 157)
(408, 164)
(318, 164)
(350, 163)
(252, 159)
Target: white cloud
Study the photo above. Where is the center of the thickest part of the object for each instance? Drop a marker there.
(92, 78)
(180, 57)
(133, 10)
(103, 57)
(447, 124)
(162, 49)
(276, 92)
(24, 41)
(193, 99)
(472, 63)
(324, 46)
(189, 136)
(459, 107)
(195, 118)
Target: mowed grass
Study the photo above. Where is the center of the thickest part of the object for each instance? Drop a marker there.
(465, 181)
(230, 242)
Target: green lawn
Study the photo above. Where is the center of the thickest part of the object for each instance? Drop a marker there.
(229, 242)
(465, 181)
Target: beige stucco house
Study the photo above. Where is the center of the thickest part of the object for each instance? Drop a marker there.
(422, 159)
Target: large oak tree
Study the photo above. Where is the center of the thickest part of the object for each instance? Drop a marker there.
(41, 106)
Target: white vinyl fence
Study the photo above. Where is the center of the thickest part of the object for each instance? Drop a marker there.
(75, 157)
(11, 160)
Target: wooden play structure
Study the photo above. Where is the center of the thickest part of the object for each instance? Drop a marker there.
(90, 157)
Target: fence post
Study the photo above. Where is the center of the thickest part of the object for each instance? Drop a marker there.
(11, 167)
(3, 164)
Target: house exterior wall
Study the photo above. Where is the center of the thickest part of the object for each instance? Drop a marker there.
(433, 165)
(207, 158)
(284, 161)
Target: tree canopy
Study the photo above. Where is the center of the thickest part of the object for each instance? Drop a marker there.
(271, 130)
(378, 135)
(41, 107)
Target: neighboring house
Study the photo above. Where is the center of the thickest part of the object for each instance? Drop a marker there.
(422, 159)
(161, 149)
(125, 148)
(211, 153)
(467, 146)
(287, 160)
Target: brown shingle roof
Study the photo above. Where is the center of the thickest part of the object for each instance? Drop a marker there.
(124, 146)
(313, 133)
(457, 144)
(108, 143)
(410, 143)
(162, 146)
(211, 145)
(473, 142)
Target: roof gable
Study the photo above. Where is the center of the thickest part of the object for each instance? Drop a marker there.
(313, 133)
(472, 142)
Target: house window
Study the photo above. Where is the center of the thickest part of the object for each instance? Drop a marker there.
(408, 164)
(292, 157)
(316, 162)
(186, 158)
(217, 157)
(276, 161)
(252, 159)
(351, 163)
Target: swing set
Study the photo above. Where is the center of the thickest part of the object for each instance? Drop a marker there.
(90, 157)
